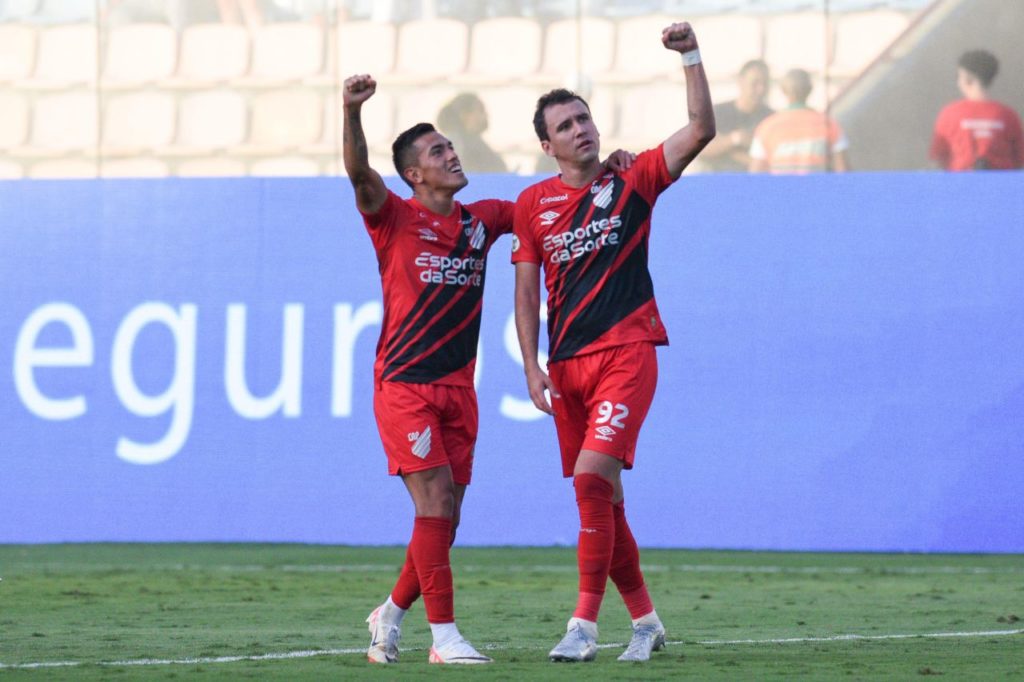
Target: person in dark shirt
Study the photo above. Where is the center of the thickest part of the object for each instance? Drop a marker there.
(736, 121)
(464, 120)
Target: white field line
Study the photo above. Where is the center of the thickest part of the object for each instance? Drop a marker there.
(571, 568)
(490, 647)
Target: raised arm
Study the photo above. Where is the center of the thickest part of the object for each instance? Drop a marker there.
(528, 328)
(683, 146)
(370, 189)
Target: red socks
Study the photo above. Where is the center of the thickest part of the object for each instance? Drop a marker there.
(407, 589)
(596, 542)
(428, 550)
(625, 569)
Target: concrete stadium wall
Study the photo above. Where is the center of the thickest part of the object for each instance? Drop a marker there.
(845, 370)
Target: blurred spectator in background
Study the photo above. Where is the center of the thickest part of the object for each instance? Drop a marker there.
(799, 139)
(464, 120)
(736, 121)
(977, 133)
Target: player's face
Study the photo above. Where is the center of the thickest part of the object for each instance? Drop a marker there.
(437, 164)
(572, 135)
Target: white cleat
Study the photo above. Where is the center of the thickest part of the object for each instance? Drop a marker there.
(459, 652)
(383, 639)
(647, 637)
(579, 643)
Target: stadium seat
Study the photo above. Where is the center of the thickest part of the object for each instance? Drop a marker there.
(285, 52)
(66, 56)
(862, 36)
(727, 42)
(286, 166)
(282, 120)
(17, 52)
(639, 54)
(800, 40)
(139, 53)
(64, 122)
(502, 49)
(378, 122)
(133, 168)
(212, 53)
(415, 106)
(14, 118)
(18, 10)
(571, 47)
(208, 121)
(11, 170)
(364, 47)
(210, 167)
(138, 121)
(648, 114)
(430, 49)
(510, 116)
(64, 168)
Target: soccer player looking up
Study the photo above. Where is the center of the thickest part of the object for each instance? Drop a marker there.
(589, 229)
(431, 252)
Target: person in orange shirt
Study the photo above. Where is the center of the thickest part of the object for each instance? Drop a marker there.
(798, 139)
(977, 133)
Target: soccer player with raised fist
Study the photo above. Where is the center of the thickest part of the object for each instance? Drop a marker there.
(588, 229)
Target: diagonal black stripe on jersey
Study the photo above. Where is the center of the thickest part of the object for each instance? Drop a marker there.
(626, 288)
(452, 355)
(414, 322)
(430, 322)
(580, 276)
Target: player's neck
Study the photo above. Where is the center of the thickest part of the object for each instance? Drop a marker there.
(580, 176)
(441, 202)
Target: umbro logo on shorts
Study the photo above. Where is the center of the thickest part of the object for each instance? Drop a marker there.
(604, 432)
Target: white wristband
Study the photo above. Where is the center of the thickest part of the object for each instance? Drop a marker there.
(691, 58)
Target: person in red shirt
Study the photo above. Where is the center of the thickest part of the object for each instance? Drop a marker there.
(432, 254)
(588, 229)
(976, 132)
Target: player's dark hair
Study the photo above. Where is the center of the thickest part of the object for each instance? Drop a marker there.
(557, 96)
(403, 149)
(982, 64)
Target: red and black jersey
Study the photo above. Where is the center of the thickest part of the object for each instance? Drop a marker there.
(592, 244)
(432, 271)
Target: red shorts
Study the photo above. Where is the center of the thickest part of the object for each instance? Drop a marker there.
(604, 400)
(425, 426)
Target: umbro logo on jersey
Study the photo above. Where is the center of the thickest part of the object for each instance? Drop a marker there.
(551, 200)
(428, 234)
(603, 198)
(548, 217)
(420, 442)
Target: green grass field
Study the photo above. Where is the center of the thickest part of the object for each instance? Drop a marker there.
(83, 612)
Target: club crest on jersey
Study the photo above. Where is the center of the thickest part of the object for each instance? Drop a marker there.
(428, 234)
(477, 236)
(548, 217)
(603, 196)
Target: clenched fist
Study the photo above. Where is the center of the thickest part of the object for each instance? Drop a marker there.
(358, 89)
(679, 37)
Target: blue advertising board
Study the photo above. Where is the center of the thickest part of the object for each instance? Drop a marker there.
(191, 360)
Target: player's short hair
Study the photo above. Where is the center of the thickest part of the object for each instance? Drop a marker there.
(758, 64)
(403, 149)
(982, 64)
(556, 96)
